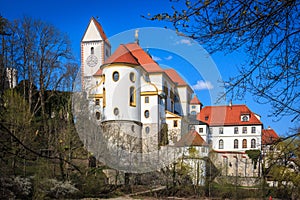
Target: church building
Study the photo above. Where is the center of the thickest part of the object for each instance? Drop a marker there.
(150, 107)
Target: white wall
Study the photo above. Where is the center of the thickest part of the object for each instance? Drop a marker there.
(229, 136)
(118, 95)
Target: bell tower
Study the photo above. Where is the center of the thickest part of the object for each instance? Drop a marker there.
(95, 49)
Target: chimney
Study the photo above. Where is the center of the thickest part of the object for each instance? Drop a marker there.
(230, 103)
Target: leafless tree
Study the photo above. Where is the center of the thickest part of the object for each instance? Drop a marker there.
(267, 32)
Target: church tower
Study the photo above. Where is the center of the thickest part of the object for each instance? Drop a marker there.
(95, 49)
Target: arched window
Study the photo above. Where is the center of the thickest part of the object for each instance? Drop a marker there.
(147, 129)
(116, 76)
(116, 111)
(146, 113)
(92, 50)
(236, 144)
(132, 96)
(221, 144)
(244, 143)
(132, 77)
(98, 115)
(253, 143)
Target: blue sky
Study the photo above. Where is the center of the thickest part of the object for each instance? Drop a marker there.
(72, 17)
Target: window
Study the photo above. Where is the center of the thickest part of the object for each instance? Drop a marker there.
(97, 102)
(253, 129)
(107, 52)
(220, 130)
(132, 77)
(175, 123)
(147, 129)
(132, 128)
(244, 129)
(116, 76)
(193, 113)
(92, 50)
(132, 99)
(210, 130)
(245, 118)
(193, 107)
(147, 113)
(200, 130)
(221, 144)
(235, 144)
(104, 98)
(244, 143)
(236, 130)
(116, 111)
(206, 118)
(98, 115)
(253, 143)
(146, 99)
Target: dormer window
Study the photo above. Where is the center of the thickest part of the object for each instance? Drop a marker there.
(206, 118)
(245, 118)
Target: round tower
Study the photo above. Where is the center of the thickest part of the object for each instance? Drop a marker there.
(121, 120)
(122, 91)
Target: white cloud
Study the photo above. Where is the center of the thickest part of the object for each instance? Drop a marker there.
(155, 58)
(185, 41)
(169, 57)
(202, 85)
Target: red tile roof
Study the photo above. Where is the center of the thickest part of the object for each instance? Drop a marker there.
(269, 136)
(195, 100)
(98, 73)
(100, 29)
(192, 138)
(132, 53)
(227, 115)
(175, 77)
(143, 58)
(122, 55)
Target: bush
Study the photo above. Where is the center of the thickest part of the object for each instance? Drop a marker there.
(59, 189)
(52, 188)
(15, 187)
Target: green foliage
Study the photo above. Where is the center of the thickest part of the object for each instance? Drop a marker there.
(163, 135)
(254, 155)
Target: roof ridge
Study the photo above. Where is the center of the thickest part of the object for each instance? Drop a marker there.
(136, 59)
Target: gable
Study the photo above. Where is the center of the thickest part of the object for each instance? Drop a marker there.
(94, 32)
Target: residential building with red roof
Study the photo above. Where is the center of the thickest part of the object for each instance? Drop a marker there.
(232, 130)
(269, 137)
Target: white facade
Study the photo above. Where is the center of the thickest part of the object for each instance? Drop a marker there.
(94, 50)
(124, 92)
(236, 138)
